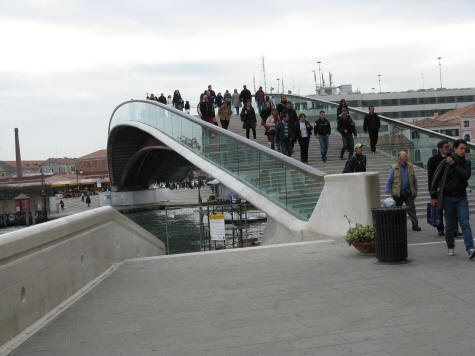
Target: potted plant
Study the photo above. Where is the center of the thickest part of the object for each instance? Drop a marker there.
(361, 237)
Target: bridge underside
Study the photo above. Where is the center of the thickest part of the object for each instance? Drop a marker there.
(137, 160)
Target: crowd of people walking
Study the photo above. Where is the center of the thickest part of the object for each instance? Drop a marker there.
(448, 170)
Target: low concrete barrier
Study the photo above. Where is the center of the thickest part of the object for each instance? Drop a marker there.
(351, 194)
(42, 265)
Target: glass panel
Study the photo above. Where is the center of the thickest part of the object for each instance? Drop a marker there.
(393, 138)
(286, 185)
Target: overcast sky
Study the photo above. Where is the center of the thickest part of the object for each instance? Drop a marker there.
(65, 65)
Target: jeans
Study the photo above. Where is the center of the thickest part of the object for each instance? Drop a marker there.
(260, 106)
(303, 142)
(348, 144)
(408, 199)
(323, 146)
(457, 207)
(271, 134)
(253, 131)
(237, 110)
(286, 147)
(373, 139)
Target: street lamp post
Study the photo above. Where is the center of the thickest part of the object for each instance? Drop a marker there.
(315, 80)
(320, 76)
(278, 84)
(440, 71)
(379, 80)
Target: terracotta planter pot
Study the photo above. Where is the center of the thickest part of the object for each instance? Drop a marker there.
(366, 248)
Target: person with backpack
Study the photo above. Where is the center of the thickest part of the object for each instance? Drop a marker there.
(357, 162)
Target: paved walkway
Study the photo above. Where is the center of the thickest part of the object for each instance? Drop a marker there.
(300, 299)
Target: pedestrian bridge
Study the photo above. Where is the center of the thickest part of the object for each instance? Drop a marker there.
(150, 142)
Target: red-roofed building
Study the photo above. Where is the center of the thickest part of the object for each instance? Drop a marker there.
(95, 162)
(466, 116)
(30, 168)
(459, 123)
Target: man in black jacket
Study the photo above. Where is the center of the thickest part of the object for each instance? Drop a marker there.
(285, 134)
(322, 132)
(346, 126)
(245, 95)
(448, 189)
(282, 105)
(432, 164)
(371, 125)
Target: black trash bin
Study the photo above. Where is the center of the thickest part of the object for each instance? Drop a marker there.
(390, 238)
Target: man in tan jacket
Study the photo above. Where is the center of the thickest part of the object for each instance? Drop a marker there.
(402, 186)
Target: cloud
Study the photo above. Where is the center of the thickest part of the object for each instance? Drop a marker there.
(65, 65)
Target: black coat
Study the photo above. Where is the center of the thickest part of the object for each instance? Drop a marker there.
(298, 133)
(207, 109)
(432, 165)
(371, 123)
(162, 100)
(281, 106)
(248, 117)
(322, 127)
(219, 101)
(293, 117)
(356, 163)
(451, 179)
(346, 124)
(280, 132)
(245, 95)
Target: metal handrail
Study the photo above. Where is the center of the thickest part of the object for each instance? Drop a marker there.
(384, 118)
(315, 173)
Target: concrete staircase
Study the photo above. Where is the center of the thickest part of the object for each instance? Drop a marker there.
(375, 163)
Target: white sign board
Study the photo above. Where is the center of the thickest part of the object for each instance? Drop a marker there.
(216, 227)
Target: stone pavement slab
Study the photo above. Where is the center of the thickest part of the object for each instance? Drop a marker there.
(299, 299)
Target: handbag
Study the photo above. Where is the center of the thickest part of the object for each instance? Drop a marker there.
(433, 215)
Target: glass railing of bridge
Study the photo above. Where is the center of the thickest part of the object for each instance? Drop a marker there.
(286, 182)
(394, 136)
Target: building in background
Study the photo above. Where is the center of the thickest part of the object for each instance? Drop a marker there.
(408, 105)
(93, 163)
(58, 166)
(466, 117)
(29, 168)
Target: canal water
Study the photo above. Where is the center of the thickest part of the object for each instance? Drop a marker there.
(186, 234)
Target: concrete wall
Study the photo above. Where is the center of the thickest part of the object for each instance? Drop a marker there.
(353, 195)
(42, 265)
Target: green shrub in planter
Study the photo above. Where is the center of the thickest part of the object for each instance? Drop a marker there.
(360, 233)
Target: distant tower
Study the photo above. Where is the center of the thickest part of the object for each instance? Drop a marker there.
(19, 171)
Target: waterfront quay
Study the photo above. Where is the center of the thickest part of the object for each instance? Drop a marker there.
(314, 298)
